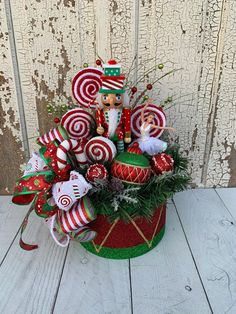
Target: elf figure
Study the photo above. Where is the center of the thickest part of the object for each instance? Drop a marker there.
(113, 121)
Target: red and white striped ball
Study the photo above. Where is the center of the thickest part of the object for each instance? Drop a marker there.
(96, 171)
(162, 163)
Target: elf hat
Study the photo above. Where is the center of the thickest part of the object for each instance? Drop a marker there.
(112, 80)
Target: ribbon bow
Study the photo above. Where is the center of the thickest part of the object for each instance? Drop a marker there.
(43, 183)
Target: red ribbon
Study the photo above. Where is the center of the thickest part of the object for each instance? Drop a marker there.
(37, 186)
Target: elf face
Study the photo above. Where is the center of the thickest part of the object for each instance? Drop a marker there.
(112, 101)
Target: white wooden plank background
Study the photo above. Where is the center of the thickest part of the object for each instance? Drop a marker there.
(166, 280)
(10, 222)
(191, 271)
(96, 285)
(211, 234)
(44, 43)
(29, 280)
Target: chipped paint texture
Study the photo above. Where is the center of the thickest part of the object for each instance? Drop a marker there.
(221, 168)
(54, 38)
(10, 135)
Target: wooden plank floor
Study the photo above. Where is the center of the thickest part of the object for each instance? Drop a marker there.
(192, 270)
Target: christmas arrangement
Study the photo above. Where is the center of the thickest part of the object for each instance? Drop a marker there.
(102, 177)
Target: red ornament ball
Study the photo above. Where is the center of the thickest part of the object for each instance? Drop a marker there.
(134, 89)
(96, 171)
(98, 62)
(131, 167)
(162, 163)
(57, 120)
(149, 86)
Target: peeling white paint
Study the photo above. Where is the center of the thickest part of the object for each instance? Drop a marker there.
(54, 39)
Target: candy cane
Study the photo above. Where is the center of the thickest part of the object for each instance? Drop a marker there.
(80, 153)
(64, 148)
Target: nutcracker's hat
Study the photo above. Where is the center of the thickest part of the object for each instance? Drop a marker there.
(112, 79)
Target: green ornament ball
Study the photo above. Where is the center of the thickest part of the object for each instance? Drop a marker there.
(145, 97)
(131, 168)
(85, 65)
(160, 66)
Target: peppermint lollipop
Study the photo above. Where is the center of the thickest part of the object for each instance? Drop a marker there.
(78, 123)
(100, 149)
(159, 119)
(86, 85)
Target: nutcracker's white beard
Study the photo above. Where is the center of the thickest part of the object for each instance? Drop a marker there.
(113, 121)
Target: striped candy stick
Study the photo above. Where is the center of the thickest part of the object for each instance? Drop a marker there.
(78, 216)
(58, 134)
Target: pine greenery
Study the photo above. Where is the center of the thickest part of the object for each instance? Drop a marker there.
(114, 199)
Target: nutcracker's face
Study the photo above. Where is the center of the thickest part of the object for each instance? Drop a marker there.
(112, 101)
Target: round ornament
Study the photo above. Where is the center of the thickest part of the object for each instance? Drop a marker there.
(100, 149)
(86, 85)
(159, 119)
(78, 123)
(96, 171)
(131, 166)
(98, 62)
(162, 163)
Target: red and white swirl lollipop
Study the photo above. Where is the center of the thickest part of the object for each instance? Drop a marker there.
(86, 85)
(78, 123)
(159, 119)
(65, 200)
(100, 150)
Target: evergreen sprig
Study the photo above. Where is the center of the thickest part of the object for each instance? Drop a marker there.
(115, 199)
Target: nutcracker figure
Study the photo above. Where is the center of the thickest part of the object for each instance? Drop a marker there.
(113, 120)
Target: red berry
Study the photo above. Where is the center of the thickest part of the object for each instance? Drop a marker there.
(57, 120)
(149, 86)
(134, 89)
(98, 62)
(112, 62)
